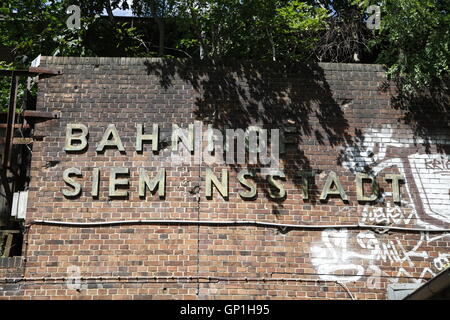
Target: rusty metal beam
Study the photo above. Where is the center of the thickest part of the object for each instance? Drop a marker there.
(9, 141)
(46, 71)
(16, 126)
(5, 183)
(10, 119)
(5, 231)
(9, 136)
(32, 71)
(36, 114)
(17, 141)
(40, 114)
(8, 245)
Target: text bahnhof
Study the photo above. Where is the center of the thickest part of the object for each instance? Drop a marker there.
(77, 140)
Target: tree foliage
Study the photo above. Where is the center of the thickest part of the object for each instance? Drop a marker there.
(346, 36)
(257, 29)
(413, 40)
(33, 27)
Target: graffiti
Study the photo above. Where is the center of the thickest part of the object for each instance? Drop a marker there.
(370, 149)
(343, 257)
(390, 214)
(427, 175)
(375, 276)
(391, 250)
(437, 164)
(337, 258)
(441, 262)
(432, 179)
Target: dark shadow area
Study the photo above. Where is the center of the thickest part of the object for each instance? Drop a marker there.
(233, 95)
(427, 113)
(152, 194)
(119, 198)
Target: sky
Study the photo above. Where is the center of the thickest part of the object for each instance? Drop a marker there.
(122, 13)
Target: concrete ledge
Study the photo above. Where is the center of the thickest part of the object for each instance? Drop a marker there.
(50, 60)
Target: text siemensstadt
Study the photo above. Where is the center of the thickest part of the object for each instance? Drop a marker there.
(76, 140)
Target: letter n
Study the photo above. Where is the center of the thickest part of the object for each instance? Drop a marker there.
(211, 180)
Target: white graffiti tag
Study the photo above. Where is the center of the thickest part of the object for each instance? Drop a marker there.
(334, 256)
(390, 214)
(335, 261)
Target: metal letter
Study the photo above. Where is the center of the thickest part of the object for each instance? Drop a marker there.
(333, 179)
(305, 175)
(70, 138)
(113, 182)
(221, 186)
(281, 193)
(395, 185)
(159, 180)
(177, 134)
(360, 177)
(95, 182)
(154, 137)
(250, 194)
(115, 142)
(67, 179)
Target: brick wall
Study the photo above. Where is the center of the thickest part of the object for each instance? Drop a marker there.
(11, 268)
(339, 119)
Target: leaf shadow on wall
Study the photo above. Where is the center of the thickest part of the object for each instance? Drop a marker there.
(232, 95)
(427, 113)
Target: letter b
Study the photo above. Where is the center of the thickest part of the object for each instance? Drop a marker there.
(70, 138)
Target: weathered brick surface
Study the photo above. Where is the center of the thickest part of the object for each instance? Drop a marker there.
(10, 268)
(343, 122)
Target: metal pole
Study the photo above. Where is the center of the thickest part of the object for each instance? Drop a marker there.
(9, 135)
